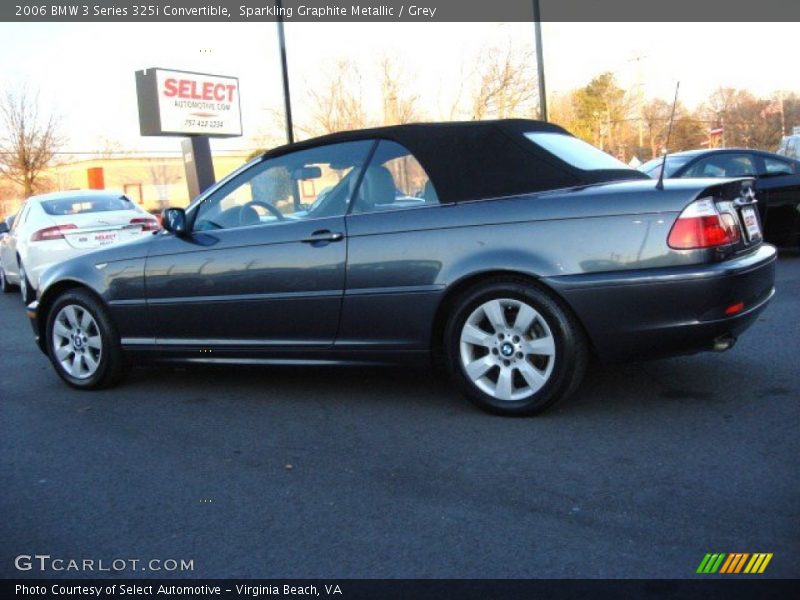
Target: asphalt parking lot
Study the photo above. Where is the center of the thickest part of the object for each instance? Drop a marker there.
(392, 474)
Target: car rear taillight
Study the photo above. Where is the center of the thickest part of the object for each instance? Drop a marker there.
(146, 224)
(51, 233)
(701, 225)
(732, 225)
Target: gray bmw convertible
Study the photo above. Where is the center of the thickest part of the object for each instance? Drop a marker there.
(508, 251)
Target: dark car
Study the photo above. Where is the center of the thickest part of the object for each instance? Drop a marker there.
(777, 184)
(524, 252)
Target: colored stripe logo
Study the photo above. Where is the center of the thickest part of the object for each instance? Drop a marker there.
(737, 562)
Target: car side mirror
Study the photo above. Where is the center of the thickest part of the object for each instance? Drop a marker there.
(3, 227)
(174, 221)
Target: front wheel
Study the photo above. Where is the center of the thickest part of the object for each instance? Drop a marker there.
(513, 349)
(83, 343)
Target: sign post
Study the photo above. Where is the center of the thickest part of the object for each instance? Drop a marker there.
(197, 164)
(537, 23)
(196, 105)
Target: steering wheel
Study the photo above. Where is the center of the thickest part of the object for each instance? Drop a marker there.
(268, 207)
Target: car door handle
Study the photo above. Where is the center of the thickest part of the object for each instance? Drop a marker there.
(324, 236)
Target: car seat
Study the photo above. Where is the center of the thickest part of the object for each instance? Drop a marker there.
(377, 187)
(429, 193)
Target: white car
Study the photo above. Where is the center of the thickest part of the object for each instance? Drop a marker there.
(54, 227)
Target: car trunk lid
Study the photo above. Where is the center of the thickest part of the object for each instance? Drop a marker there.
(96, 229)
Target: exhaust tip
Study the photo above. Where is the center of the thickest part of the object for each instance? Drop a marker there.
(723, 343)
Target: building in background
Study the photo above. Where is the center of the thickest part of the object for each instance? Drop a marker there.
(154, 182)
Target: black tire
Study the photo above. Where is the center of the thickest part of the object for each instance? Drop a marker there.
(5, 286)
(565, 334)
(26, 291)
(111, 366)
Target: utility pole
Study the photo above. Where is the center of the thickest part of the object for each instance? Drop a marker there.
(537, 24)
(287, 101)
(639, 97)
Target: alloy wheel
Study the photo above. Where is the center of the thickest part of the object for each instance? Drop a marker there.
(77, 343)
(507, 349)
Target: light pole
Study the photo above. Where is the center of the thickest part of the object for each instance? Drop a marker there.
(287, 100)
(537, 24)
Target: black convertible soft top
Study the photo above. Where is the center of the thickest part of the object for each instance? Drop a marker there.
(470, 160)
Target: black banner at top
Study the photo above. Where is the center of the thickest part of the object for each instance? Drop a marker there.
(403, 11)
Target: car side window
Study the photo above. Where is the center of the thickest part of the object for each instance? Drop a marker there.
(723, 165)
(774, 166)
(306, 184)
(21, 219)
(394, 180)
(793, 148)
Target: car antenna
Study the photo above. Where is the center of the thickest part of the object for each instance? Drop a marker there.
(660, 182)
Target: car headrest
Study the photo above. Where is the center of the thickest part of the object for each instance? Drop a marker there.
(377, 187)
(429, 193)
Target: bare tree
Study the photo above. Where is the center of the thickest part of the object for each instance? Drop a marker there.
(506, 83)
(270, 133)
(656, 115)
(337, 104)
(454, 94)
(399, 106)
(164, 173)
(28, 141)
(109, 147)
(747, 121)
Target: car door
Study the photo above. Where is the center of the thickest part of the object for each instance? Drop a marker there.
(264, 263)
(396, 237)
(723, 164)
(10, 243)
(6, 254)
(778, 192)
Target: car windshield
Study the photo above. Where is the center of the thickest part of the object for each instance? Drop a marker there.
(576, 152)
(653, 167)
(77, 205)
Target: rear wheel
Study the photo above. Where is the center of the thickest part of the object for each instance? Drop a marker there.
(83, 343)
(25, 289)
(513, 349)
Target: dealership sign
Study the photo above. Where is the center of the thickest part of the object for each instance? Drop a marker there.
(184, 103)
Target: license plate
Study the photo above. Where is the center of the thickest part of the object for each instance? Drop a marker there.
(751, 224)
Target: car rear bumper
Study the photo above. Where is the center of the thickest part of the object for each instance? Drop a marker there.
(661, 312)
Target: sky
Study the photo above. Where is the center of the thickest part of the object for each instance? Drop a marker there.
(85, 71)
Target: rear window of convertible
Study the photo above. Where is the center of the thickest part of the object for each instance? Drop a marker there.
(78, 205)
(576, 152)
